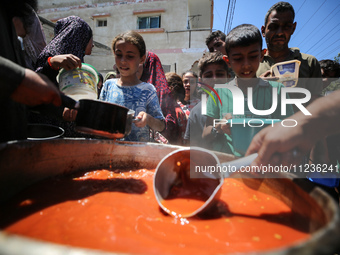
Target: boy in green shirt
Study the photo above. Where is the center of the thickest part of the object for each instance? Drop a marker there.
(244, 54)
(212, 70)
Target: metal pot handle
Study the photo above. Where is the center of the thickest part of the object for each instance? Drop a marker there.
(136, 120)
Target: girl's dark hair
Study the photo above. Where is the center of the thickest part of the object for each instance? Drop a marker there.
(190, 72)
(176, 86)
(243, 36)
(131, 37)
(330, 65)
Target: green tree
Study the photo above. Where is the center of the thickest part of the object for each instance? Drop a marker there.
(337, 58)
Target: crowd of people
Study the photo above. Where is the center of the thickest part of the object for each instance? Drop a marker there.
(169, 106)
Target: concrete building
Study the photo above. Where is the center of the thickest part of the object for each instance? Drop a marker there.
(173, 29)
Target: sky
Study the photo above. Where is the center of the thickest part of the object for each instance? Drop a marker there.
(318, 23)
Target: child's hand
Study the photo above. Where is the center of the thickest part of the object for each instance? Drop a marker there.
(269, 76)
(69, 114)
(266, 74)
(141, 119)
(225, 128)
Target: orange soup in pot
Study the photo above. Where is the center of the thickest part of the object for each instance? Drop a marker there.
(116, 210)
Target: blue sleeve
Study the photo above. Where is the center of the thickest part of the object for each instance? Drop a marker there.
(153, 108)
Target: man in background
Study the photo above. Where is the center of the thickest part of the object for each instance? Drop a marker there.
(216, 42)
(279, 26)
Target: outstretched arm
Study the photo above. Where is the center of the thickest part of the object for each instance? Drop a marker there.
(66, 61)
(287, 145)
(147, 119)
(25, 86)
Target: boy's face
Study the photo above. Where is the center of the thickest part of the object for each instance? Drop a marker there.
(245, 60)
(127, 58)
(214, 74)
(280, 26)
(217, 44)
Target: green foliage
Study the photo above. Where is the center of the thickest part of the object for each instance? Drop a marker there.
(337, 58)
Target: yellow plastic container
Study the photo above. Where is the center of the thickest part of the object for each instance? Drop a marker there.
(79, 83)
(287, 72)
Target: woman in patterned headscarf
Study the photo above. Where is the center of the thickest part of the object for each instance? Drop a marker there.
(153, 73)
(72, 41)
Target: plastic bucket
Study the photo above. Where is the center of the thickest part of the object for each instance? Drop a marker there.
(79, 83)
(243, 131)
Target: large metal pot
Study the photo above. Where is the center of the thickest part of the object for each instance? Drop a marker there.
(101, 118)
(42, 159)
(43, 132)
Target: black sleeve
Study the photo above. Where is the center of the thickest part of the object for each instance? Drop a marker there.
(11, 75)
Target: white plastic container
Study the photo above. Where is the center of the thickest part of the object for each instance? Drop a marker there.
(287, 72)
(79, 83)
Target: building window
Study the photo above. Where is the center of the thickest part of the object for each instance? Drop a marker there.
(149, 22)
(101, 23)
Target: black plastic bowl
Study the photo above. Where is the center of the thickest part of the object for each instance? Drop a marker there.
(43, 132)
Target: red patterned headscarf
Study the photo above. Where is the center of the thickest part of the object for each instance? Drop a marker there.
(153, 73)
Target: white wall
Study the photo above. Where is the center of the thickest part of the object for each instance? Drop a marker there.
(172, 46)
